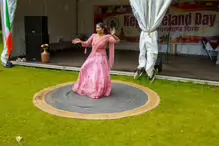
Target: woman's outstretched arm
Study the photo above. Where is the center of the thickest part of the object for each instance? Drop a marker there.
(117, 40)
(84, 43)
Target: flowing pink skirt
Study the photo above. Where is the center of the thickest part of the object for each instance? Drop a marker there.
(94, 78)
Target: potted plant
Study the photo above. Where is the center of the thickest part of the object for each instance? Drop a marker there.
(45, 56)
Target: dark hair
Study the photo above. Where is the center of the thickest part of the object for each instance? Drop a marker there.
(104, 27)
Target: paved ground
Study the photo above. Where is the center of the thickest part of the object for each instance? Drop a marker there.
(179, 66)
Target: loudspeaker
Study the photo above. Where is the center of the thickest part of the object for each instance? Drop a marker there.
(36, 25)
(33, 46)
(36, 34)
(159, 64)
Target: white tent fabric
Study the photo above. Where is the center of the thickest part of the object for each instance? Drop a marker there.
(149, 14)
(11, 10)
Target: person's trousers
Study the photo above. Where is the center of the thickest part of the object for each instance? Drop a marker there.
(148, 51)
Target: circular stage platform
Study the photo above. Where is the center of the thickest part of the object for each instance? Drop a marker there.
(127, 99)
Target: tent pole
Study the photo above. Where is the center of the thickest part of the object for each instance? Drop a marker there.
(168, 45)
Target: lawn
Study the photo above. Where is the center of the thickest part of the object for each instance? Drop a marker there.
(187, 116)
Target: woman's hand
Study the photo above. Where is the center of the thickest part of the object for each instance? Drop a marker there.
(76, 41)
(113, 34)
(113, 31)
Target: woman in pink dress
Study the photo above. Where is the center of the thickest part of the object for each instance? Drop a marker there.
(94, 78)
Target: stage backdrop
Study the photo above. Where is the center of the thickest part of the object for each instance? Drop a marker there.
(185, 22)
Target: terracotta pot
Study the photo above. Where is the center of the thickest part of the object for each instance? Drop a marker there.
(45, 56)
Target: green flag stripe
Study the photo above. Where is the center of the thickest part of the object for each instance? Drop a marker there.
(7, 17)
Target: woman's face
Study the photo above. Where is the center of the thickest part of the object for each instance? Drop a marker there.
(99, 30)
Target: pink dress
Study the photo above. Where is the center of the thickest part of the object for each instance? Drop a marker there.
(94, 78)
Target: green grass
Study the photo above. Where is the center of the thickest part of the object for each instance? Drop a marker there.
(187, 116)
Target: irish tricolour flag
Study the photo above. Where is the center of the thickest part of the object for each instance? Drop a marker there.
(8, 12)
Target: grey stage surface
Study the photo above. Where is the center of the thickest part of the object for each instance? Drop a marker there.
(123, 98)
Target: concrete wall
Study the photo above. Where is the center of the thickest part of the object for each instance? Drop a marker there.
(61, 20)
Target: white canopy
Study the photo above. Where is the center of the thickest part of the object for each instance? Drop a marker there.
(149, 14)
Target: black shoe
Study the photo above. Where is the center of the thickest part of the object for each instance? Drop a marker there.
(139, 72)
(9, 65)
(153, 76)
